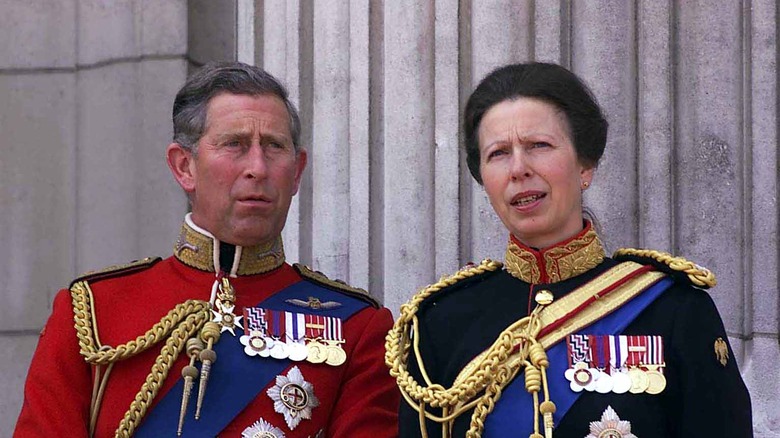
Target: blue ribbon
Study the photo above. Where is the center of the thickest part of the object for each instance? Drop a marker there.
(513, 413)
(237, 379)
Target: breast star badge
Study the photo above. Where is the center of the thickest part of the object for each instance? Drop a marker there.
(610, 426)
(262, 429)
(293, 397)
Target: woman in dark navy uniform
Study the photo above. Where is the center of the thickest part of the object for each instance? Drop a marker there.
(560, 339)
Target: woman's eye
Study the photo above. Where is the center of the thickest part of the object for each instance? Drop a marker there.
(540, 144)
(496, 153)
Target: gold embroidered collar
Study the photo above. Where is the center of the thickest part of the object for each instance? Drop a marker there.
(199, 249)
(565, 260)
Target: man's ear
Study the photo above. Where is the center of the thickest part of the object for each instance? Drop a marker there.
(182, 165)
(300, 165)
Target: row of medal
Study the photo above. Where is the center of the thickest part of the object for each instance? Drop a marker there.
(296, 336)
(616, 363)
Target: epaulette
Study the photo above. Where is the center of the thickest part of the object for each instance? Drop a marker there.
(679, 268)
(338, 285)
(117, 270)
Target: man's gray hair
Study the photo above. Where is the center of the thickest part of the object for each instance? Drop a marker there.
(191, 103)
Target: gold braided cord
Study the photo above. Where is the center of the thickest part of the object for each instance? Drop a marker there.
(491, 373)
(181, 323)
(86, 328)
(174, 345)
(698, 275)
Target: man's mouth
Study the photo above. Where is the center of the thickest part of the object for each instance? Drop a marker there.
(255, 199)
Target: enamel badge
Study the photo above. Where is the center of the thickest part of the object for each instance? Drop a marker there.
(610, 426)
(293, 397)
(262, 429)
(224, 307)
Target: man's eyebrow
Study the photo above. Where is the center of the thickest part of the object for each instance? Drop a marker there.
(233, 134)
(241, 134)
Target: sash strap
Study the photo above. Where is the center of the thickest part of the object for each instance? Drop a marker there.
(236, 379)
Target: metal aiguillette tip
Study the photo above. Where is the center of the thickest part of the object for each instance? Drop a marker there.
(190, 373)
(210, 334)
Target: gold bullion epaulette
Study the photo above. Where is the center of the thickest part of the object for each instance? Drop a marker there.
(679, 268)
(117, 270)
(338, 285)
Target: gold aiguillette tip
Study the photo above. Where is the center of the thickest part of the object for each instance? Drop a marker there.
(210, 334)
(190, 373)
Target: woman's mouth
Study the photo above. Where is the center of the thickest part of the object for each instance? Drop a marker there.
(526, 199)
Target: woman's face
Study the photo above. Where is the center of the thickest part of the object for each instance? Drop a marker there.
(530, 171)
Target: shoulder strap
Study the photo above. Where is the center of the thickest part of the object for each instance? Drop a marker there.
(117, 270)
(681, 269)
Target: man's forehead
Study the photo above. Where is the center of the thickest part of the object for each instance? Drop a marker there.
(222, 107)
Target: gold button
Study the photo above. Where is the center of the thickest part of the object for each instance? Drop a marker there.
(544, 297)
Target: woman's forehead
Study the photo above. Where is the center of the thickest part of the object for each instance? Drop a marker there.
(524, 117)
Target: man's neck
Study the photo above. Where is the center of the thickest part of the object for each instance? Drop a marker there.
(199, 249)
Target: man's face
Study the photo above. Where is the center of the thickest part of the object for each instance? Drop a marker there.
(245, 171)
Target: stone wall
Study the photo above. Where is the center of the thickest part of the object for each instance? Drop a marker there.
(86, 88)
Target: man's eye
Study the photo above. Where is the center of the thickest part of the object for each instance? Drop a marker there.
(232, 144)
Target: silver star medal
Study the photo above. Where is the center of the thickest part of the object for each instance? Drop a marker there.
(262, 429)
(293, 397)
(610, 426)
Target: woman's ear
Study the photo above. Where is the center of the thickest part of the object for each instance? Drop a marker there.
(586, 177)
(182, 164)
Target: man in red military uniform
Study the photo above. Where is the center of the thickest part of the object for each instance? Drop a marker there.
(224, 337)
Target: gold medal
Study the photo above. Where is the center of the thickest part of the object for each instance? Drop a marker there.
(656, 380)
(317, 352)
(335, 354)
(639, 381)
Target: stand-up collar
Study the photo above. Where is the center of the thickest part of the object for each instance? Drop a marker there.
(559, 262)
(199, 249)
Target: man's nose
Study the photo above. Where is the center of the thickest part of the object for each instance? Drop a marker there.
(256, 162)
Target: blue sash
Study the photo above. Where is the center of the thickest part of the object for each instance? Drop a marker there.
(237, 379)
(513, 413)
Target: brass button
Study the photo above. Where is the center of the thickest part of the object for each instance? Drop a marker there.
(544, 297)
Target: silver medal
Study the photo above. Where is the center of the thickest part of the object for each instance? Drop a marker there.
(621, 382)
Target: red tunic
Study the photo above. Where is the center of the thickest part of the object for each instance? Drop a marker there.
(357, 399)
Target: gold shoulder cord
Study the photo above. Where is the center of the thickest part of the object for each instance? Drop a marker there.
(180, 324)
(490, 374)
(698, 275)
